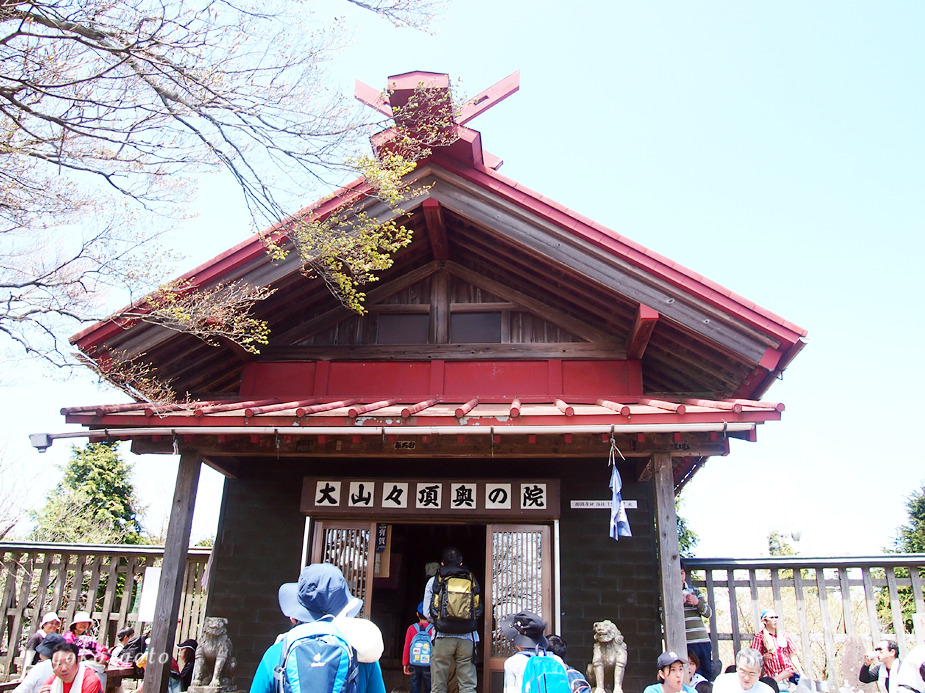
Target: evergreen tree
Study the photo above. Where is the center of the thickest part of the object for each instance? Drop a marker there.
(911, 536)
(94, 503)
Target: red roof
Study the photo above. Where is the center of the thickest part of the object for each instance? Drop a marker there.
(768, 342)
(395, 413)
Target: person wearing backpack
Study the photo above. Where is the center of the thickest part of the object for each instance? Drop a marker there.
(325, 631)
(532, 668)
(416, 656)
(452, 602)
(576, 680)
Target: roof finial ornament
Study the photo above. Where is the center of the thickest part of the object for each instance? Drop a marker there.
(466, 145)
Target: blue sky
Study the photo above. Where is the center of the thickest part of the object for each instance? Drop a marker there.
(776, 148)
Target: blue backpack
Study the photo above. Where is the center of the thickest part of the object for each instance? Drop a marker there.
(316, 658)
(420, 646)
(545, 674)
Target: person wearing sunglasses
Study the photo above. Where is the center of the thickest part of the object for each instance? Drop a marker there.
(880, 664)
(777, 650)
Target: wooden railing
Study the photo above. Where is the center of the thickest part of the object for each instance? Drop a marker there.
(833, 608)
(105, 581)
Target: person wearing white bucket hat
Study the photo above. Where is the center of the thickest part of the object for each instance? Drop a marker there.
(322, 594)
(50, 624)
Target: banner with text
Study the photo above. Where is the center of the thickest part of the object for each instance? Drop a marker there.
(456, 499)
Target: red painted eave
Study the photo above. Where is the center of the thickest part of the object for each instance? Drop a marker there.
(496, 414)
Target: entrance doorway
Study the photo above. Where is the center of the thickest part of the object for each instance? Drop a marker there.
(513, 563)
(396, 597)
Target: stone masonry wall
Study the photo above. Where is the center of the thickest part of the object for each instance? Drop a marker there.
(606, 579)
(259, 544)
(258, 547)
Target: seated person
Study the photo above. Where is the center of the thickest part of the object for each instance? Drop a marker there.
(880, 664)
(693, 669)
(745, 677)
(81, 635)
(778, 653)
(50, 624)
(122, 637)
(186, 659)
(672, 670)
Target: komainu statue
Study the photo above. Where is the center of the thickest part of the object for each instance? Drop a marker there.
(214, 668)
(605, 672)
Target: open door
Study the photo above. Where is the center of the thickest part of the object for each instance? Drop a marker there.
(346, 544)
(518, 578)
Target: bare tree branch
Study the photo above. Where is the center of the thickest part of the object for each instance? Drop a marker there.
(107, 107)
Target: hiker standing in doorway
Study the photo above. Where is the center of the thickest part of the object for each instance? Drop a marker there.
(452, 602)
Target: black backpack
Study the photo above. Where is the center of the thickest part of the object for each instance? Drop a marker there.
(134, 648)
(457, 603)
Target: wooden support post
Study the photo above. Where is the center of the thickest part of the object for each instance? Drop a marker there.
(440, 309)
(167, 607)
(669, 555)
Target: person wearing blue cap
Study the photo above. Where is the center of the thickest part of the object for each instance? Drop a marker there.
(38, 674)
(416, 656)
(322, 594)
(672, 670)
(779, 654)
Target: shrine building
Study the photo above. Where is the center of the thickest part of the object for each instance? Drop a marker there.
(513, 350)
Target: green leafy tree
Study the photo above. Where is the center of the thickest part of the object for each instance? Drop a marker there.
(779, 546)
(910, 538)
(687, 538)
(94, 503)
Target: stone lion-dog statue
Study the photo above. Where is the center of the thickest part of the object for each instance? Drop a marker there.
(214, 667)
(608, 662)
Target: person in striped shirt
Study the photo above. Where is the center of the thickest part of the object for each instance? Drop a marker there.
(696, 609)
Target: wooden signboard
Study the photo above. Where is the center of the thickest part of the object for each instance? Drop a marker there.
(325, 497)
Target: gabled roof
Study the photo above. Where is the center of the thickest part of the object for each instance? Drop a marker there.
(613, 298)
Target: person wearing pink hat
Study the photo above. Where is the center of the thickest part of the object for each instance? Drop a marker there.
(50, 624)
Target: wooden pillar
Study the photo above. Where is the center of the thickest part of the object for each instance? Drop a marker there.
(666, 520)
(173, 569)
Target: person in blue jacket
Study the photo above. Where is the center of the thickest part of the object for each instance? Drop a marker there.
(672, 670)
(322, 591)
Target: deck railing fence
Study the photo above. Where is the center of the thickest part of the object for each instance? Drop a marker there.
(834, 608)
(106, 581)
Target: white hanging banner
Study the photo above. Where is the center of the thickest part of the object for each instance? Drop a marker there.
(149, 588)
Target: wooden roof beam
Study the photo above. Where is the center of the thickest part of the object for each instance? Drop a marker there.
(644, 324)
(567, 322)
(380, 293)
(436, 229)
(613, 273)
